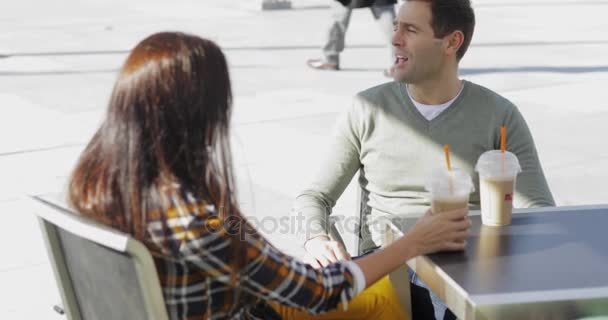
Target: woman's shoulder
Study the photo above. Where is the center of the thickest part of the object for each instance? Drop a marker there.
(170, 228)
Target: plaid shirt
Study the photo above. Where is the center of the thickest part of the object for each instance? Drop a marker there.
(195, 272)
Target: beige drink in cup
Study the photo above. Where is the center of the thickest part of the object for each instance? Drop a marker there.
(497, 178)
(449, 189)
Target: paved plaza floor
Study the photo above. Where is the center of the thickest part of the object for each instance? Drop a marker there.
(58, 61)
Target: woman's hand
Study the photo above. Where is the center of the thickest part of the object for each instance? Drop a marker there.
(445, 231)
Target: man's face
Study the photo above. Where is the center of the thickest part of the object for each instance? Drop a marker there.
(419, 55)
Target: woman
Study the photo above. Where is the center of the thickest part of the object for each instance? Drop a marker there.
(159, 168)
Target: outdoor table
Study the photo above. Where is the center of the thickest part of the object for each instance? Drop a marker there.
(550, 263)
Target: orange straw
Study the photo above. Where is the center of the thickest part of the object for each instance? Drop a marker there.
(446, 148)
(503, 139)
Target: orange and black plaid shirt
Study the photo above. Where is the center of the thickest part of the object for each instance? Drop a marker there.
(195, 272)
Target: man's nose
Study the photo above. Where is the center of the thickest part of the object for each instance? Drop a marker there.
(397, 40)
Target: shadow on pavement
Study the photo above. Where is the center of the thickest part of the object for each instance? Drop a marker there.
(53, 73)
(532, 69)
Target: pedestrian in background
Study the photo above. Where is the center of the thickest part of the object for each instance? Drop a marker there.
(383, 12)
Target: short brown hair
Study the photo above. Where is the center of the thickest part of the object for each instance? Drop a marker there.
(451, 15)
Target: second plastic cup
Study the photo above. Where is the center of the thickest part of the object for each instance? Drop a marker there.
(449, 190)
(497, 177)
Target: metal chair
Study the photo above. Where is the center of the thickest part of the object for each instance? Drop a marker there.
(101, 273)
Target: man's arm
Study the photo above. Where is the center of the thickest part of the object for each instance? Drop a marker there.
(314, 205)
(532, 189)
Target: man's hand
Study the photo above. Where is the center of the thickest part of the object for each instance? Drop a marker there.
(321, 252)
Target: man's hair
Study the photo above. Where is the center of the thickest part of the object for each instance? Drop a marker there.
(451, 15)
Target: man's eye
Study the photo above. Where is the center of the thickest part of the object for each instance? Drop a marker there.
(412, 30)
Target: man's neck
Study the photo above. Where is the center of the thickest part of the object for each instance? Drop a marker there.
(436, 91)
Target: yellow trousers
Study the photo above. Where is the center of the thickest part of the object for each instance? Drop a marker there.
(379, 301)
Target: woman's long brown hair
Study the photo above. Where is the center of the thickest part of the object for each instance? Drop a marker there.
(165, 137)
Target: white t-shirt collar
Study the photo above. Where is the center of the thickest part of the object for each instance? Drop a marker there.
(431, 111)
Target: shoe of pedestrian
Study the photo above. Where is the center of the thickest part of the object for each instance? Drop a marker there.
(321, 65)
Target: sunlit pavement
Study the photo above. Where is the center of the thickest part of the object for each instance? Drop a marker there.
(59, 60)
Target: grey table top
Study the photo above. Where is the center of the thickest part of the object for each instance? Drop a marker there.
(554, 256)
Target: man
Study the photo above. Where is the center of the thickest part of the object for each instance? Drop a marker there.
(393, 134)
(383, 12)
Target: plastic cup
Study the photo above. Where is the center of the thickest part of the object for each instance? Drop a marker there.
(449, 189)
(497, 177)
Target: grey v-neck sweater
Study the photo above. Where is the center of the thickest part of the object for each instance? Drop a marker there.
(395, 148)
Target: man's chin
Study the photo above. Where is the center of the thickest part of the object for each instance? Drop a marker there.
(400, 77)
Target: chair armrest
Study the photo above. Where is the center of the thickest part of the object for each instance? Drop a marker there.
(334, 234)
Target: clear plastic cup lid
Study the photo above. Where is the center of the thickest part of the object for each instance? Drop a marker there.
(496, 163)
(455, 182)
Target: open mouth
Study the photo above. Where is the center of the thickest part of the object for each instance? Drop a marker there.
(400, 60)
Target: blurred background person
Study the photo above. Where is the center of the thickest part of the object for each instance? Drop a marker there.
(383, 12)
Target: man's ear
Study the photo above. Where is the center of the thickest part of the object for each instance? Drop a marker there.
(453, 42)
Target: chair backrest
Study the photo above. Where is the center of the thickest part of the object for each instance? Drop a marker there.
(101, 273)
(365, 243)
(362, 239)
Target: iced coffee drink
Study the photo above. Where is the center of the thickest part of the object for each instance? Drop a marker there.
(449, 190)
(447, 203)
(497, 180)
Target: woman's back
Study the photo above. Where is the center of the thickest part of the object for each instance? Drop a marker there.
(194, 263)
